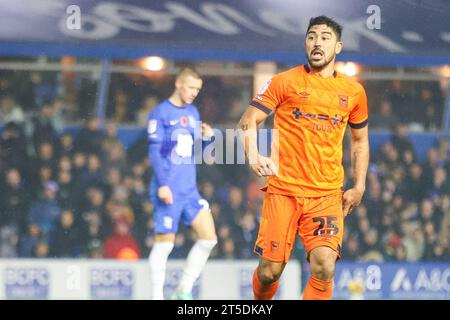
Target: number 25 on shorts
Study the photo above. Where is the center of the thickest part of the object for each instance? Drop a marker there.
(329, 228)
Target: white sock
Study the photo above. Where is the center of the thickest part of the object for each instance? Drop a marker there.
(196, 260)
(158, 261)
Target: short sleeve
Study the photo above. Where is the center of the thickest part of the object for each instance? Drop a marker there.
(359, 114)
(271, 95)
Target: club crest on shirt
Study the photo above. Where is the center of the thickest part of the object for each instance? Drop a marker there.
(343, 101)
(274, 246)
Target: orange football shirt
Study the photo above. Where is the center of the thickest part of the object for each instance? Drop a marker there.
(311, 115)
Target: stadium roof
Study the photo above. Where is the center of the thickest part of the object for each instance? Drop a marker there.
(408, 32)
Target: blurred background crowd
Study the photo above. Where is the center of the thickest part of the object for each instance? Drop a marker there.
(84, 193)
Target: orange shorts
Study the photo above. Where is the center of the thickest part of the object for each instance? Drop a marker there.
(318, 221)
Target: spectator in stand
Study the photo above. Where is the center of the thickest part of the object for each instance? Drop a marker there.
(372, 248)
(42, 128)
(90, 137)
(9, 239)
(235, 205)
(45, 157)
(13, 148)
(413, 241)
(10, 111)
(110, 137)
(65, 241)
(246, 235)
(400, 139)
(121, 108)
(384, 118)
(413, 184)
(45, 211)
(13, 202)
(29, 240)
(94, 230)
(429, 166)
(440, 185)
(121, 244)
(116, 157)
(67, 145)
(148, 104)
(41, 249)
(93, 175)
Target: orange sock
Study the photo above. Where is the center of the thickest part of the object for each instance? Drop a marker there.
(317, 289)
(261, 291)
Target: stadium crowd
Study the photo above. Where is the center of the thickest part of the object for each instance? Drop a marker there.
(82, 194)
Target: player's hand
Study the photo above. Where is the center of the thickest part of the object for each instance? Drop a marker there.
(207, 131)
(165, 195)
(351, 198)
(264, 166)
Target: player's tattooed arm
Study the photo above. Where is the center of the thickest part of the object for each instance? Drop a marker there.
(248, 126)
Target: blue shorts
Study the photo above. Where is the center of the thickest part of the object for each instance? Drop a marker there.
(167, 217)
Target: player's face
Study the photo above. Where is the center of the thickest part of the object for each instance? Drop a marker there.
(321, 46)
(188, 88)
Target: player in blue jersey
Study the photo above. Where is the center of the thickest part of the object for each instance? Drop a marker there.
(172, 128)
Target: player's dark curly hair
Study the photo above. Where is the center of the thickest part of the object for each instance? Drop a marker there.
(336, 27)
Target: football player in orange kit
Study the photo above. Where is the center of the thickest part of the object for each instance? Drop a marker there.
(313, 104)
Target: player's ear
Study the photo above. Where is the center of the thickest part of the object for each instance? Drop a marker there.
(178, 83)
(339, 46)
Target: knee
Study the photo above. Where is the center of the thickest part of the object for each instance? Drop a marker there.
(207, 244)
(268, 275)
(323, 266)
(212, 237)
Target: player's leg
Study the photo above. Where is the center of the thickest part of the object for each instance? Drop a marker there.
(266, 279)
(322, 264)
(203, 225)
(276, 238)
(166, 218)
(199, 217)
(321, 229)
(161, 249)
